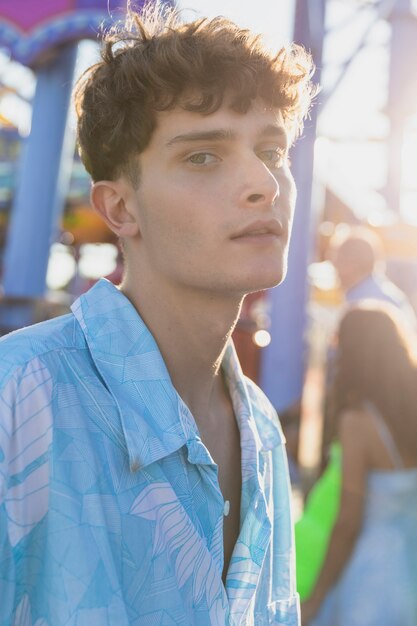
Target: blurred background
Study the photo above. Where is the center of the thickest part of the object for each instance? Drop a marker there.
(356, 164)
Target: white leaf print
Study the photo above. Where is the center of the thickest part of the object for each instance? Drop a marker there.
(217, 613)
(199, 587)
(172, 520)
(22, 616)
(175, 531)
(151, 498)
(211, 581)
(188, 556)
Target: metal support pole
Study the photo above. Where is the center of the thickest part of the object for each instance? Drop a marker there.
(282, 363)
(402, 93)
(42, 187)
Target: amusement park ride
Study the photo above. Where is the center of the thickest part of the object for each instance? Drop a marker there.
(44, 36)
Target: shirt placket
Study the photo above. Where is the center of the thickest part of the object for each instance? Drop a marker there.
(255, 533)
(208, 490)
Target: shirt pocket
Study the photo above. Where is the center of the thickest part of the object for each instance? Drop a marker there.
(285, 612)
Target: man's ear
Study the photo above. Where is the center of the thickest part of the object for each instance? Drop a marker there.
(110, 200)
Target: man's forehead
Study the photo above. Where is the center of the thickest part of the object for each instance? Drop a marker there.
(178, 124)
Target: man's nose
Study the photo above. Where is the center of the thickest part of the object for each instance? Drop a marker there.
(261, 187)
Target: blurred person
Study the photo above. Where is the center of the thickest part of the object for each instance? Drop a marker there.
(358, 258)
(369, 575)
(143, 478)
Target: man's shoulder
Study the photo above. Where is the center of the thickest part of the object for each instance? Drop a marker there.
(22, 346)
(394, 294)
(387, 290)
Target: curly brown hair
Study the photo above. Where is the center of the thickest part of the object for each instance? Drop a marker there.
(154, 62)
(377, 350)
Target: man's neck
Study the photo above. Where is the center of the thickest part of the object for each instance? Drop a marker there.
(191, 329)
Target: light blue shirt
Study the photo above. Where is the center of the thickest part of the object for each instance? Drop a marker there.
(379, 287)
(110, 508)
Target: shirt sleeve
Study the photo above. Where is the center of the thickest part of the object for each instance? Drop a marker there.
(7, 567)
(25, 439)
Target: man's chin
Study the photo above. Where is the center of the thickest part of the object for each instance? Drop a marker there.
(267, 281)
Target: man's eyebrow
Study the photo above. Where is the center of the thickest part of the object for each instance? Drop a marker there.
(219, 134)
(274, 130)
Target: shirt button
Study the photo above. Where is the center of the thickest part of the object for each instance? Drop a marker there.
(226, 509)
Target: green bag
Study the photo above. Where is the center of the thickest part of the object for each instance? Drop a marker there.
(313, 530)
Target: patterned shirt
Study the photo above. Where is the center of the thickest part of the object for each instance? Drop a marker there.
(110, 508)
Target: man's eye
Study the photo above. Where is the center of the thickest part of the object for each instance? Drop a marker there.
(202, 158)
(273, 158)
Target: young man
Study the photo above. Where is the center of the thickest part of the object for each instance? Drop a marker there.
(143, 478)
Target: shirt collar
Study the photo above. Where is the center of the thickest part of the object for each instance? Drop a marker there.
(250, 404)
(131, 365)
(364, 288)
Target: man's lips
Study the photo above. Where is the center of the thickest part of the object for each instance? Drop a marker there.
(260, 228)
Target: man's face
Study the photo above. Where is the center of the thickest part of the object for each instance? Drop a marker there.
(215, 201)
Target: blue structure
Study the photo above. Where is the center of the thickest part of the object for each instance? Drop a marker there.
(282, 365)
(402, 93)
(44, 177)
(32, 32)
(283, 361)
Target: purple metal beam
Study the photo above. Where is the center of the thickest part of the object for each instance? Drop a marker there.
(282, 363)
(402, 93)
(40, 195)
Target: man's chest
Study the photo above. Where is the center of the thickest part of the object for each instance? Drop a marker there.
(223, 444)
(161, 527)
